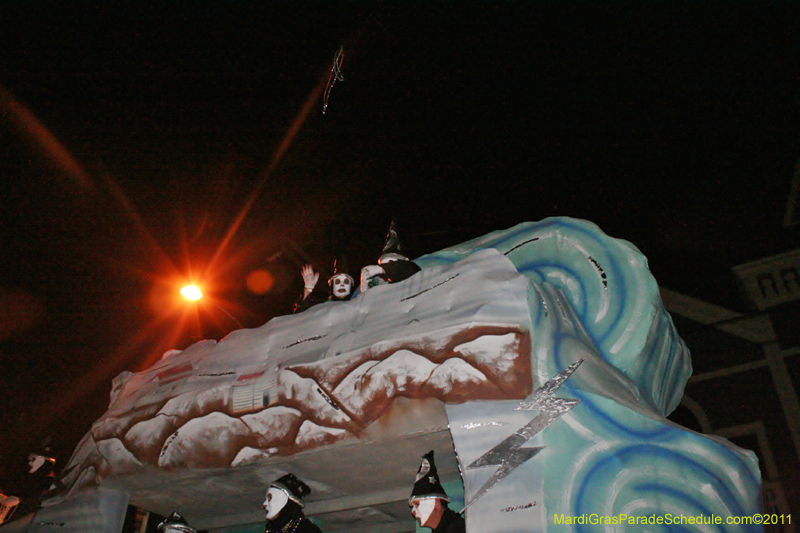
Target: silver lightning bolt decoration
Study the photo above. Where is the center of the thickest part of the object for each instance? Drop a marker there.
(509, 454)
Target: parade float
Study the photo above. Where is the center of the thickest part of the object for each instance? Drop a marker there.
(538, 363)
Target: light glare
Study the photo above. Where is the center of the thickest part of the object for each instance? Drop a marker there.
(191, 292)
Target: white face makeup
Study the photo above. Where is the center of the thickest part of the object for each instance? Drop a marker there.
(422, 509)
(276, 500)
(35, 462)
(341, 286)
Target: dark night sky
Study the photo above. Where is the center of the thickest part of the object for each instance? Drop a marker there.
(671, 125)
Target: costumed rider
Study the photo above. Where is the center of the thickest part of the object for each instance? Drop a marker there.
(41, 464)
(175, 523)
(32, 487)
(428, 501)
(340, 284)
(284, 506)
(392, 266)
(42, 470)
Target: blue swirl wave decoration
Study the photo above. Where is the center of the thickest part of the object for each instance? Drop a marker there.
(610, 290)
(592, 297)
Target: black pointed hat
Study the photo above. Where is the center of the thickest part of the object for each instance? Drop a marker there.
(392, 248)
(427, 484)
(392, 243)
(293, 487)
(176, 522)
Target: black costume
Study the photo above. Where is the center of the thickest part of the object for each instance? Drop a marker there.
(451, 522)
(396, 266)
(314, 298)
(291, 520)
(396, 271)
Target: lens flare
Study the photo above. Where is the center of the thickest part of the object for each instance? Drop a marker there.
(42, 138)
(260, 281)
(191, 292)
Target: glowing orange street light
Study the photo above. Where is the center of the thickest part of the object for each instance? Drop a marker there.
(191, 292)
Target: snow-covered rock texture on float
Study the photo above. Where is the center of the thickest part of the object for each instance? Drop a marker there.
(454, 332)
(484, 325)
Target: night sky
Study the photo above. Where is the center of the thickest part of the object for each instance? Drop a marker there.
(145, 144)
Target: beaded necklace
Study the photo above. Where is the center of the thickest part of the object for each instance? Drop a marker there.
(294, 523)
(290, 526)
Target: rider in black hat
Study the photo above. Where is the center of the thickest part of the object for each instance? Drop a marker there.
(284, 506)
(341, 285)
(428, 501)
(175, 523)
(392, 266)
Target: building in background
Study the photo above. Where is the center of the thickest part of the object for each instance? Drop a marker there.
(747, 367)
